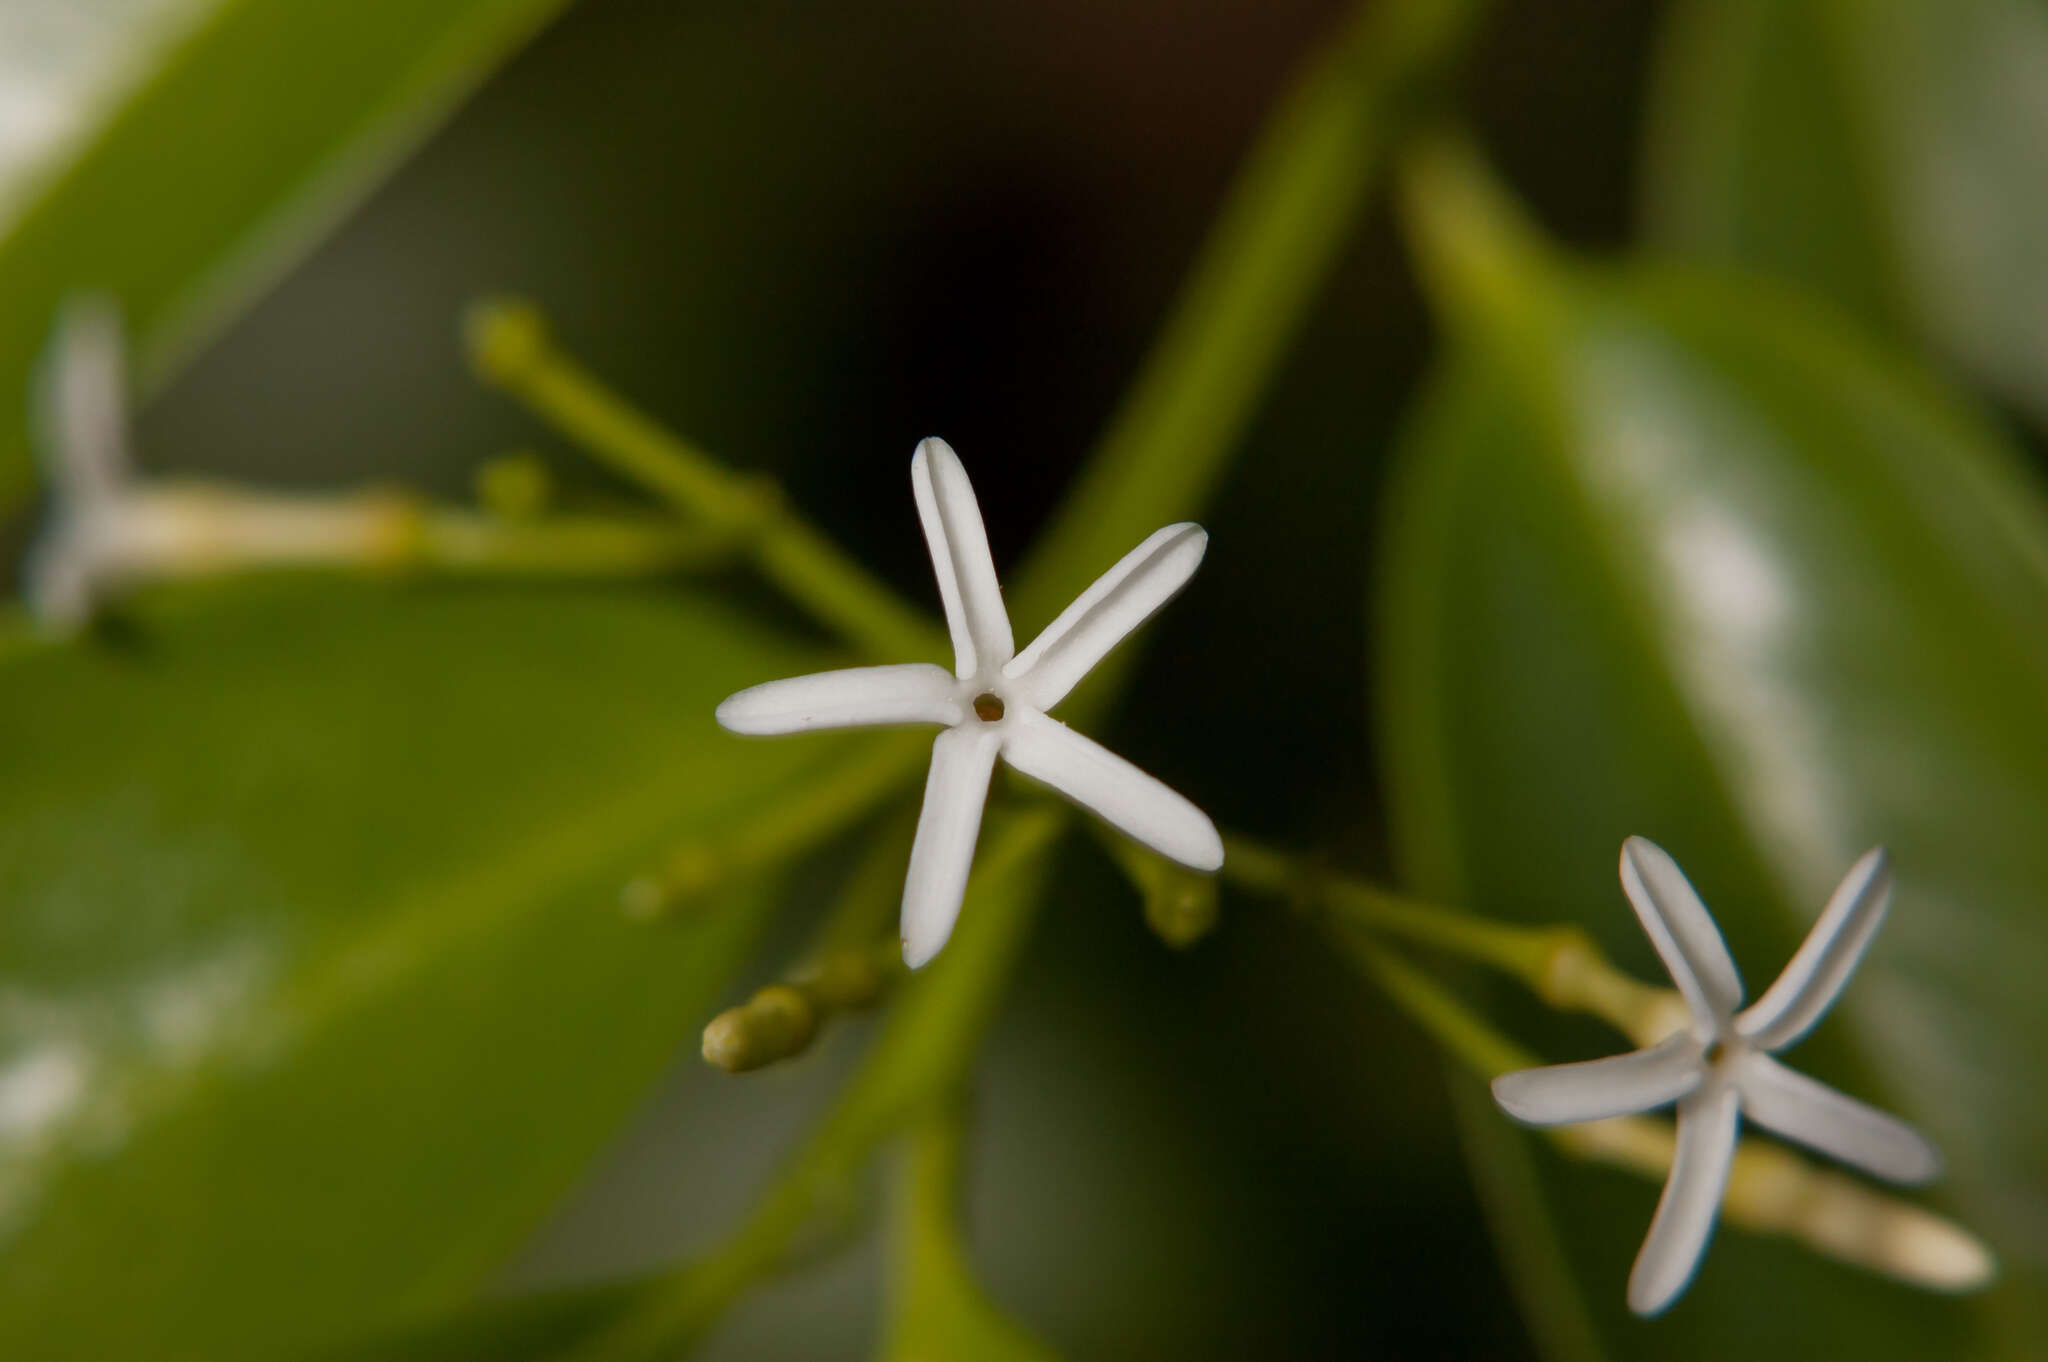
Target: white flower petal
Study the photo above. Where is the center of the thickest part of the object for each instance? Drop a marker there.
(85, 417)
(1802, 1109)
(1125, 797)
(1803, 993)
(960, 557)
(1101, 617)
(1682, 931)
(947, 827)
(1641, 1080)
(1707, 1122)
(856, 697)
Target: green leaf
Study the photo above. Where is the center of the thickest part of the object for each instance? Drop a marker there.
(1275, 243)
(1892, 156)
(314, 991)
(544, 1327)
(1673, 555)
(248, 137)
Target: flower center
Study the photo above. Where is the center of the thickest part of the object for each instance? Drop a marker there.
(1716, 1054)
(988, 706)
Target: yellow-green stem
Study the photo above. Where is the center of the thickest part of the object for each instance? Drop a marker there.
(1490, 275)
(512, 348)
(1486, 268)
(937, 1309)
(1522, 951)
(1260, 273)
(1560, 964)
(1436, 1009)
(827, 800)
(853, 962)
(559, 546)
(1771, 1190)
(924, 1052)
(179, 530)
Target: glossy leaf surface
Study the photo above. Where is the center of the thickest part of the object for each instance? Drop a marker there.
(1672, 556)
(1891, 155)
(314, 993)
(246, 138)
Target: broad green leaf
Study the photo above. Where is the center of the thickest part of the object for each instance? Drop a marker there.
(245, 138)
(923, 1056)
(314, 992)
(1672, 555)
(63, 65)
(1893, 155)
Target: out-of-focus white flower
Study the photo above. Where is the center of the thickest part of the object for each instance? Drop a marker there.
(83, 423)
(1720, 1068)
(995, 700)
(106, 530)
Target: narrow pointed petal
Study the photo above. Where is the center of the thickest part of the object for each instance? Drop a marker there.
(1682, 931)
(1707, 1122)
(85, 417)
(1118, 792)
(960, 558)
(1801, 996)
(943, 851)
(1641, 1080)
(1101, 617)
(857, 697)
(1799, 1108)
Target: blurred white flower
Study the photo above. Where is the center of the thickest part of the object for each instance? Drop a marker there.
(105, 530)
(83, 425)
(1720, 1067)
(995, 701)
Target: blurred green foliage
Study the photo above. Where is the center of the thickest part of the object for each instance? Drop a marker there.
(316, 994)
(316, 1013)
(1675, 554)
(1885, 155)
(247, 138)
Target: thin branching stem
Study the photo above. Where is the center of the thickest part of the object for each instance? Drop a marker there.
(937, 1308)
(924, 1053)
(1560, 964)
(854, 961)
(511, 346)
(1258, 277)
(1771, 1190)
(829, 798)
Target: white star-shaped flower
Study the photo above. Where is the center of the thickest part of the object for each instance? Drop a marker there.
(994, 702)
(1720, 1068)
